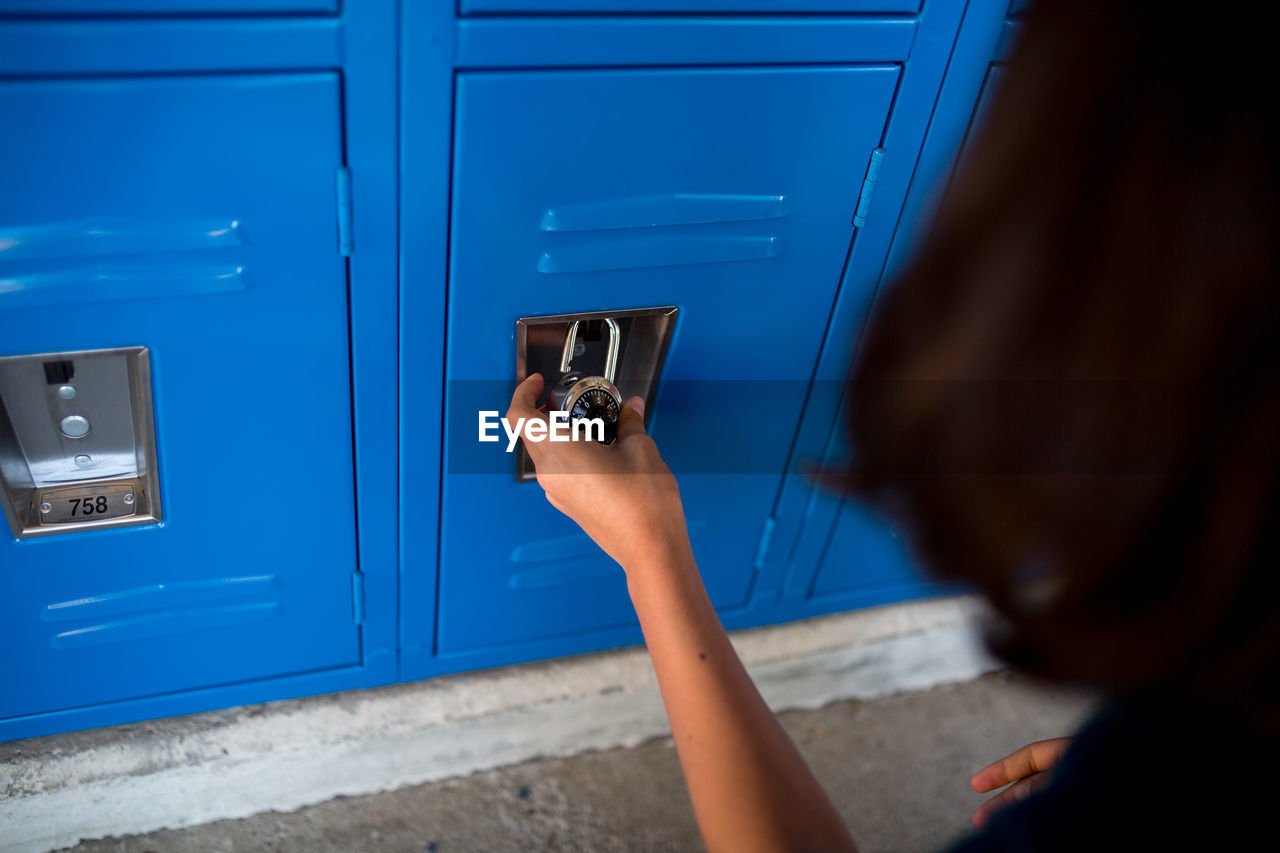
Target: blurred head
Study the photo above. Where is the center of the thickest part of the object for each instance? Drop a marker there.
(1070, 397)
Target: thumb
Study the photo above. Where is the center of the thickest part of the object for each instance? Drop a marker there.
(631, 418)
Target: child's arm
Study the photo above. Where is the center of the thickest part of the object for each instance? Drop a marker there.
(750, 788)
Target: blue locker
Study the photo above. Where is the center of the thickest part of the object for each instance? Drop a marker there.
(191, 215)
(257, 194)
(162, 7)
(468, 7)
(725, 192)
(865, 551)
(847, 555)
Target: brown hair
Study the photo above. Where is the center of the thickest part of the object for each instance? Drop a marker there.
(1070, 396)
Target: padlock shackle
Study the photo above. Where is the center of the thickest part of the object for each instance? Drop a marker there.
(610, 359)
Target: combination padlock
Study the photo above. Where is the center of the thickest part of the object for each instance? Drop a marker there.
(587, 397)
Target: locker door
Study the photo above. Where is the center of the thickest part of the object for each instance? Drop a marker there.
(866, 555)
(162, 7)
(468, 7)
(848, 555)
(193, 216)
(726, 192)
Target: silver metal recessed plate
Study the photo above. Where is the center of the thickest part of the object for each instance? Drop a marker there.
(77, 441)
(645, 335)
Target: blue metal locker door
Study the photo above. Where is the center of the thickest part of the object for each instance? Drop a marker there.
(468, 7)
(162, 7)
(194, 216)
(868, 559)
(849, 555)
(726, 192)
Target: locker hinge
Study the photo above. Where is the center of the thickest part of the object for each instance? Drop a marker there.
(766, 537)
(342, 184)
(357, 597)
(868, 187)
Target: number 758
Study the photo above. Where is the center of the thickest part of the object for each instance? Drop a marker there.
(88, 506)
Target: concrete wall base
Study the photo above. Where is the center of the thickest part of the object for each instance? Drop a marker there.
(281, 756)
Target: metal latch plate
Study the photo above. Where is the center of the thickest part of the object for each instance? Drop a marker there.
(87, 503)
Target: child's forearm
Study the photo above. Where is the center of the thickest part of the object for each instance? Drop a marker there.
(750, 788)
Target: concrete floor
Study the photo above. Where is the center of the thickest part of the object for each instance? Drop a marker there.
(897, 768)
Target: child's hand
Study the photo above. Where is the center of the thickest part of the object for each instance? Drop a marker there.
(1029, 770)
(622, 495)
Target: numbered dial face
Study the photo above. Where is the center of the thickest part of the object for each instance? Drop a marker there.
(596, 403)
(595, 397)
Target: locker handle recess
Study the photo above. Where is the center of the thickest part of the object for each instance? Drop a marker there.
(77, 441)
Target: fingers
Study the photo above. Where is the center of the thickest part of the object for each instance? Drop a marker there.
(524, 402)
(631, 418)
(524, 405)
(1032, 758)
(1027, 768)
(1018, 791)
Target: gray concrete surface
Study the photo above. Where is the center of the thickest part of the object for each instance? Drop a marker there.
(142, 777)
(897, 768)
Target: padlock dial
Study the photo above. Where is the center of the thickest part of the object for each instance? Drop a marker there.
(596, 403)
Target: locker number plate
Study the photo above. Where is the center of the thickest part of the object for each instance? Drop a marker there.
(87, 503)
